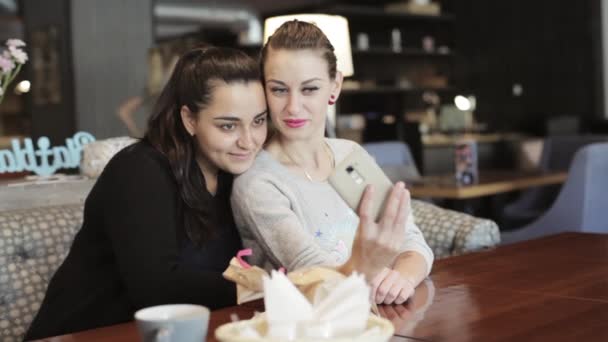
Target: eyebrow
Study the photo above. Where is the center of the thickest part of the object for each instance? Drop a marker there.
(305, 82)
(235, 119)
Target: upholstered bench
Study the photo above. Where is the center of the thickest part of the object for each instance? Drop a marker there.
(37, 225)
(450, 233)
(34, 242)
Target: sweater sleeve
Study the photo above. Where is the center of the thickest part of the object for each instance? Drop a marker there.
(263, 211)
(141, 217)
(414, 241)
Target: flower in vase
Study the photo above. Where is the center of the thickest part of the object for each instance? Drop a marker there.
(15, 43)
(11, 60)
(6, 64)
(19, 55)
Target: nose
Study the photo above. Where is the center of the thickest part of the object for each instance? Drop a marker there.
(294, 104)
(245, 140)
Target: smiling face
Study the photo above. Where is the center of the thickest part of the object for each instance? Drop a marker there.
(298, 88)
(231, 130)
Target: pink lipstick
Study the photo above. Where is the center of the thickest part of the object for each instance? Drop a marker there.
(295, 123)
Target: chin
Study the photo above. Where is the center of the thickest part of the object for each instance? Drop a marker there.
(238, 169)
(295, 134)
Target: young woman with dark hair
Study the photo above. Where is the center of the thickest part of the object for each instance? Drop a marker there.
(157, 224)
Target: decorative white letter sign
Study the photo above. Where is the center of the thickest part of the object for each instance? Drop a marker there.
(45, 160)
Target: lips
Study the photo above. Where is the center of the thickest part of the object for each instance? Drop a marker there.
(295, 123)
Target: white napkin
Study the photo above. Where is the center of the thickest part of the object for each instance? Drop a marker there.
(341, 308)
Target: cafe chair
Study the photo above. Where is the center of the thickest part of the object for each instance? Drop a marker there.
(557, 154)
(581, 203)
(395, 159)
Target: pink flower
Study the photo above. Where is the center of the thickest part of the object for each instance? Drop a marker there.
(19, 55)
(6, 64)
(15, 43)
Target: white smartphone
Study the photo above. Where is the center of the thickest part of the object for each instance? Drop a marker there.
(354, 173)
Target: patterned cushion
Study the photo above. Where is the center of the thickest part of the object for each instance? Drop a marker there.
(97, 154)
(33, 243)
(21, 293)
(451, 233)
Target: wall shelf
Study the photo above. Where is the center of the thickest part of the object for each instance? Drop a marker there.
(379, 13)
(392, 90)
(405, 52)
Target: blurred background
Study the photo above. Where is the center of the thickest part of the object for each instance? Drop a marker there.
(532, 67)
(429, 73)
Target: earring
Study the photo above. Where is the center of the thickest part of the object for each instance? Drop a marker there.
(331, 100)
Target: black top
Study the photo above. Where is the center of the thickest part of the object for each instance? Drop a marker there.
(132, 251)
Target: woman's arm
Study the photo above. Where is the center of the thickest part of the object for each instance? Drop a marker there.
(141, 218)
(378, 243)
(397, 283)
(263, 212)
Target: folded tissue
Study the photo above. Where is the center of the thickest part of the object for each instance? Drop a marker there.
(343, 311)
(340, 311)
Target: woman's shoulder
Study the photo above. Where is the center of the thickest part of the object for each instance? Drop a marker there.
(134, 170)
(265, 169)
(342, 147)
(139, 158)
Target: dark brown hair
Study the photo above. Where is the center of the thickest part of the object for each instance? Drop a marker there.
(191, 84)
(300, 35)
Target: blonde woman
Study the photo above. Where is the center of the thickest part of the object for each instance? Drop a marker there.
(284, 208)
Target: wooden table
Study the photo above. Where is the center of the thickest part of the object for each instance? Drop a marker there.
(127, 332)
(490, 183)
(551, 289)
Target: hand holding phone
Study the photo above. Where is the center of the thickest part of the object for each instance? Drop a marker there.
(354, 174)
(382, 208)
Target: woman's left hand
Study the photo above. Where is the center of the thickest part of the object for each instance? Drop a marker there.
(391, 287)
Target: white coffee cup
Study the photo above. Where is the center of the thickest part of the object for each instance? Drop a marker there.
(173, 322)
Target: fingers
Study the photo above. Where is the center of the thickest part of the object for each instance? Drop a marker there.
(392, 203)
(406, 292)
(404, 209)
(377, 281)
(393, 293)
(392, 288)
(383, 293)
(365, 205)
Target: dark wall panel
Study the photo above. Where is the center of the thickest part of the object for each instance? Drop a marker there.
(51, 100)
(547, 47)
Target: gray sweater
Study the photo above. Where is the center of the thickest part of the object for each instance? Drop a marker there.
(288, 220)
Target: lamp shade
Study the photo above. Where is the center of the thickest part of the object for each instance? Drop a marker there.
(335, 28)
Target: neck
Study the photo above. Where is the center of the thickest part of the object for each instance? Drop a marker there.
(309, 153)
(312, 159)
(209, 171)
